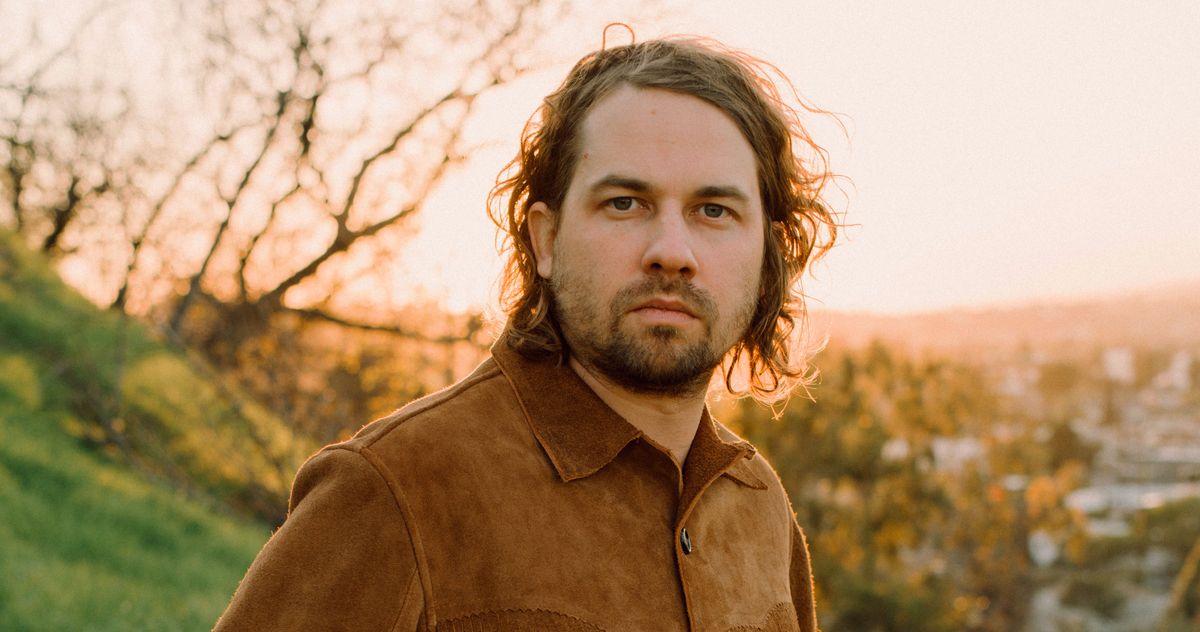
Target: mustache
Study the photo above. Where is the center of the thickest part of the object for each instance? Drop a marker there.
(698, 301)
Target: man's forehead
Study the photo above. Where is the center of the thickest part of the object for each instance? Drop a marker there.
(632, 99)
(650, 134)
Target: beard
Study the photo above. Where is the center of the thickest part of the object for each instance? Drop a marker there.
(660, 359)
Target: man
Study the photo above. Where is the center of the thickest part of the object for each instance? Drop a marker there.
(658, 218)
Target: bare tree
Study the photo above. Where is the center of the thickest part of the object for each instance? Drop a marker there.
(243, 175)
(260, 158)
(58, 146)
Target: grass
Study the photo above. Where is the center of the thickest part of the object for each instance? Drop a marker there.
(178, 421)
(87, 544)
(153, 537)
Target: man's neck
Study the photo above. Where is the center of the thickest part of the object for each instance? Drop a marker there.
(668, 420)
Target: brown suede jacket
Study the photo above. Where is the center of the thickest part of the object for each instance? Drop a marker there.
(517, 500)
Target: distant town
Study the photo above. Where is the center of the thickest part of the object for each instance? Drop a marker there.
(1116, 381)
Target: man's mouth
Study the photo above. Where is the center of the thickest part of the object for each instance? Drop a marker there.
(665, 309)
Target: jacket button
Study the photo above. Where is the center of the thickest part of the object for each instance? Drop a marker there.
(685, 541)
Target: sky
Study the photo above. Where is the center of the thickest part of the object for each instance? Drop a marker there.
(998, 152)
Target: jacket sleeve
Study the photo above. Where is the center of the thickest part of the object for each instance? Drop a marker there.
(802, 582)
(343, 559)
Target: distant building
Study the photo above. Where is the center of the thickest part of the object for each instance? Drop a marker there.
(1043, 549)
(1018, 381)
(1161, 447)
(1116, 501)
(1178, 375)
(1119, 365)
(951, 454)
(895, 449)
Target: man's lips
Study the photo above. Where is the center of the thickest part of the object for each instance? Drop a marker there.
(667, 307)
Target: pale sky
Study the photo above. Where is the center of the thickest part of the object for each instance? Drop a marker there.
(999, 152)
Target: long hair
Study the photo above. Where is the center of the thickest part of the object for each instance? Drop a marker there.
(800, 226)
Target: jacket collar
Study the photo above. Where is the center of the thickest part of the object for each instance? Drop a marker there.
(717, 450)
(581, 434)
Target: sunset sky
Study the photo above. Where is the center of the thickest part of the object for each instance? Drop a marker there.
(999, 152)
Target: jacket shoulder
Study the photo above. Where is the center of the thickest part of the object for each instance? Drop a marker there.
(477, 416)
(466, 401)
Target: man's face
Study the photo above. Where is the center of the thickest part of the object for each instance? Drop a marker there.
(656, 258)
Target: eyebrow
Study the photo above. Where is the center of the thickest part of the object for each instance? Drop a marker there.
(641, 186)
(730, 192)
(621, 182)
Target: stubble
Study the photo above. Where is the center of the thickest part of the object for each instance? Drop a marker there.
(659, 359)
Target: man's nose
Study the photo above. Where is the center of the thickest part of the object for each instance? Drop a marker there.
(669, 248)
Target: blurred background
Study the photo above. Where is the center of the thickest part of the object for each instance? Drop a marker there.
(232, 232)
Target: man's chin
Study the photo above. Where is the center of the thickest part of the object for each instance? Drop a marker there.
(661, 335)
(669, 382)
(658, 362)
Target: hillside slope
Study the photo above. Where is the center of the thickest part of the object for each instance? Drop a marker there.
(128, 477)
(86, 544)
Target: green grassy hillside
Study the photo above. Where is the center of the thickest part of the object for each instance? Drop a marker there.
(123, 468)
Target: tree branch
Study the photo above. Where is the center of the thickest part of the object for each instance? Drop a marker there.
(346, 237)
(138, 240)
(324, 316)
(72, 41)
(230, 203)
(244, 259)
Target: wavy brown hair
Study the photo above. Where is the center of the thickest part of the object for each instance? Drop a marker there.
(800, 227)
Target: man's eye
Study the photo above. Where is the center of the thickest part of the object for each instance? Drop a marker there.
(621, 203)
(714, 211)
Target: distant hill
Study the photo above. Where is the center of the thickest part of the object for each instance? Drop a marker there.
(1164, 317)
(124, 466)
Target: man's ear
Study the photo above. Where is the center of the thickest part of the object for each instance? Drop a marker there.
(542, 230)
